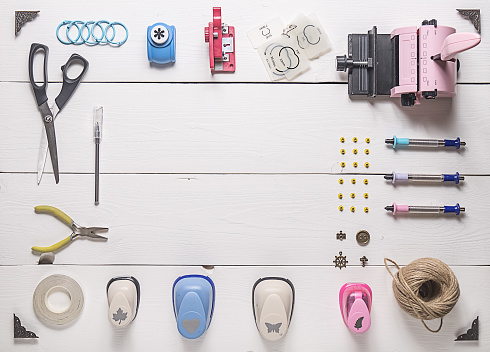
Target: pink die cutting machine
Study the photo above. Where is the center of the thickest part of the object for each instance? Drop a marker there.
(409, 63)
(355, 301)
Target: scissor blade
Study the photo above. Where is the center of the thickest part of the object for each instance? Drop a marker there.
(43, 153)
(53, 152)
(43, 147)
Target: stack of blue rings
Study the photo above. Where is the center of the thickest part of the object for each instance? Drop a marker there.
(90, 25)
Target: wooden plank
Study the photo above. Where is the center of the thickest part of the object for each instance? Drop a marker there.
(129, 62)
(180, 128)
(316, 323)
(241, 220)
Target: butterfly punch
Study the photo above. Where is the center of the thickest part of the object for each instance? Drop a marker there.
(273, 302)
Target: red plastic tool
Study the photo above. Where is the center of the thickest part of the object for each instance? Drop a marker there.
(221, 39)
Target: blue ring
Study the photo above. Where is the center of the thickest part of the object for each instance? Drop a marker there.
(101, 39)
(107, 40)
(64, 23)
(114, 31)
(75, 42)
(98, 23)
(86, 40)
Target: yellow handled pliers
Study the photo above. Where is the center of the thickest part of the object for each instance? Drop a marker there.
(77, 229)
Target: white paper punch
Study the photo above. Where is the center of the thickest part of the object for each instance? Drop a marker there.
(273, 302)
(123, 297)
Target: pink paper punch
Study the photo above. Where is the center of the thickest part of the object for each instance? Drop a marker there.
(355, 301)
(409, 63)
(221, 39)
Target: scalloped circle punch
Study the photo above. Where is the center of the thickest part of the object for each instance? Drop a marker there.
(161, 39)
(273, 302)
(355, 301)
(123, 296)
(193, 300)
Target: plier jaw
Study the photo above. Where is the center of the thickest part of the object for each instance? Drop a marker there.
(87, 231)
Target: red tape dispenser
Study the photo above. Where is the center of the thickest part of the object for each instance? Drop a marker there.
(221, 44)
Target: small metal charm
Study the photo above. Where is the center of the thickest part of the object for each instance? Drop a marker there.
(363, 237)
(341, 236)
(473, 15)
(340, 261)
(363, 260)
(21, 17)
(20, 332)
(472, 334)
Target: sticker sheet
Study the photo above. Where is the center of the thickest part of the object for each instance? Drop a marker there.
(311, 36)
(268, 30)
(283, 58)
(286, 50)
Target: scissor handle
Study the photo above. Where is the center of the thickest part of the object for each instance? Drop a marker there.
(70, 84)
(39, 90)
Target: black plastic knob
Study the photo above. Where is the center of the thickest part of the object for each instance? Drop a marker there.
(408, 99)
(343, 63)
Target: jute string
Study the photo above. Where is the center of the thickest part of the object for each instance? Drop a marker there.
(426, 289)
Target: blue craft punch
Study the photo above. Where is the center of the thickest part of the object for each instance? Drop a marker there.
(193, 299)
(161, 43)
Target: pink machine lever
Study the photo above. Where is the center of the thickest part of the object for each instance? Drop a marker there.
(457, 43)
(355, 301)
(221, 39)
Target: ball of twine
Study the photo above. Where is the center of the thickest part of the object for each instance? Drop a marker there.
(426, 289)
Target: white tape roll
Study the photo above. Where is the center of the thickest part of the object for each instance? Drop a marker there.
(49, 314)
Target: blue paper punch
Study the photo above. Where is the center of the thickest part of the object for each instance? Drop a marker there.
(161, 43)
(193, 299)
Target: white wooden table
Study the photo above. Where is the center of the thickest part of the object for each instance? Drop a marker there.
(238, 172)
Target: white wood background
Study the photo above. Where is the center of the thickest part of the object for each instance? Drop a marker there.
(240, 173)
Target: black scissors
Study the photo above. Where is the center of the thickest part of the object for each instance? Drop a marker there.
(49, 113)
